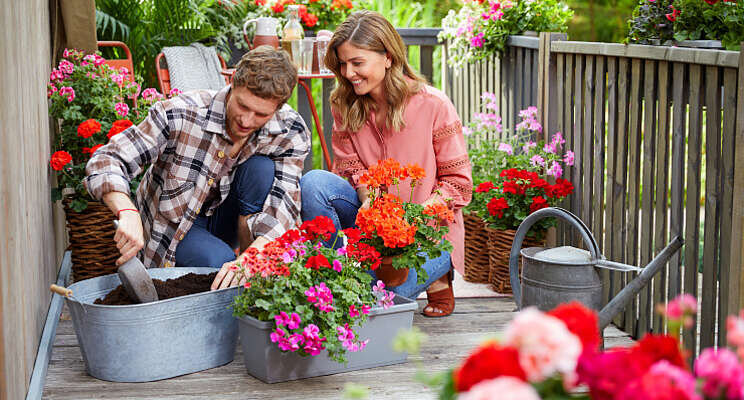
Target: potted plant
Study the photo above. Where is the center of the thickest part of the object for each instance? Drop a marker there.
(91, 102)
(309, 310)
(480, 28)
(405, 233)
(712, 24)
(522, 168)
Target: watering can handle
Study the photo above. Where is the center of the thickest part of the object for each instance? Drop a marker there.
(525, 226)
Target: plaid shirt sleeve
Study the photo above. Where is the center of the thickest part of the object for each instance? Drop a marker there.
(114, 165)
(281, 210)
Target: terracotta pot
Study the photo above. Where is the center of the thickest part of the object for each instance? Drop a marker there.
(389, 275)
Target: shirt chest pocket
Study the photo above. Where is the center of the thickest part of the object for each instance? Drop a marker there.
(174, 198)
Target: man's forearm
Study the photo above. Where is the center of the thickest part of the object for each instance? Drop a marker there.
(117, 201)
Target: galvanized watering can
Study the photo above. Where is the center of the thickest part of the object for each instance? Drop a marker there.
(547, 283)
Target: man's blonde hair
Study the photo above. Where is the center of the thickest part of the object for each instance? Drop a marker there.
(267, 73)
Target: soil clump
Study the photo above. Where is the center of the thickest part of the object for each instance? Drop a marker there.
(183, 285)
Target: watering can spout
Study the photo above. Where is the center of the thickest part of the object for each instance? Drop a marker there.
(619, 302)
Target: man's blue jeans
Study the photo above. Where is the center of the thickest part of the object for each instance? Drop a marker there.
(327, 194)
(211, 240)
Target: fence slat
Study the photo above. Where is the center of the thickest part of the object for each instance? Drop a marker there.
(662, 182)
(680, 89)
(578, 135)
(598, 161)
(587, 141)
(712, 203)
(612, 109)
(618, 190)
(519, 83)
(647, 196)
(634, 153)
(727, 200)
(692, 205)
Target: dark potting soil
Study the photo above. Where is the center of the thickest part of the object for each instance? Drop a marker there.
(183, 285)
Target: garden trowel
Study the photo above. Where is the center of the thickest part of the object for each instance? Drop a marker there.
(136, 281)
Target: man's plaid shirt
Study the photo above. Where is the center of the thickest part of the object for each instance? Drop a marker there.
(184, 139)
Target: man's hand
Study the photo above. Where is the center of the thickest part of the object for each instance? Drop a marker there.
(228, 275)
(129, 237)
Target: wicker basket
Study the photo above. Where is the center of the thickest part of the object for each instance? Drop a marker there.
(476, 255)
(91, 232)
(499, 249)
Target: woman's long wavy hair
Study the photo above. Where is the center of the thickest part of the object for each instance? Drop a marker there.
(369, 30)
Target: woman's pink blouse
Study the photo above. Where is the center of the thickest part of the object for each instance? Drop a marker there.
(432, 138)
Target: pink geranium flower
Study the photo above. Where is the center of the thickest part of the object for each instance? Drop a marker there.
(121, 109)
(545, 345)
(506, 148)
(555, 170)
(721, 373)
(477, 40)
(502, 388)
(568, 158)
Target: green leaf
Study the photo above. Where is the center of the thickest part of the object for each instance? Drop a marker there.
(56, 194)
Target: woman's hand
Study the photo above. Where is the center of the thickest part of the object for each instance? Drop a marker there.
(363, 195)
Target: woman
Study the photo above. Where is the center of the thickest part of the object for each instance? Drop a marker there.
(383, 109)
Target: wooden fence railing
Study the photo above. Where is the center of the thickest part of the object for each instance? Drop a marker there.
(651, 127)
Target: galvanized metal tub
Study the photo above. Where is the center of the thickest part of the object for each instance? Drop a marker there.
(153, 341)
(265, 361)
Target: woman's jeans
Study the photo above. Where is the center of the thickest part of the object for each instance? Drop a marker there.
(327, 194)
(211, 240)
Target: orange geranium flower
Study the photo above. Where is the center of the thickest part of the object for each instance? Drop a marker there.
(440, 210)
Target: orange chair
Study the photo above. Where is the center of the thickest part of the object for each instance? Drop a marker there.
(161, 68)
(120, 62)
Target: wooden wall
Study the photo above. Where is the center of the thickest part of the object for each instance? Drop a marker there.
(28, 254)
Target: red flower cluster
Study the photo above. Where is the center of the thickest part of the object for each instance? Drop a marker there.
(118, 126)
(389, 172)
(319, 227)
(488, 362)
(440, 210)
(88, 128)
(317, 261)
(60, 159)
(581, 321)
(309, 19)
(267, 262)
(523, 183)
(385, 219)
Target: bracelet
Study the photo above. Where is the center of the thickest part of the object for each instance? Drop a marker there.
(126, 209)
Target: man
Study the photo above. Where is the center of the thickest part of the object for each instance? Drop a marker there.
(225, 170)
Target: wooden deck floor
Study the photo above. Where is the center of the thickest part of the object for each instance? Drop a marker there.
(450, 339)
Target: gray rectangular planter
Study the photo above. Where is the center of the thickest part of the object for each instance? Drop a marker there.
(265, 361)
(152, 341)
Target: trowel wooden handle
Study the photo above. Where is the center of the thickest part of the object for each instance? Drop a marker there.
(60, 290)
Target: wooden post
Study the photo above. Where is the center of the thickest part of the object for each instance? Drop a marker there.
(547, 83)
(735, 283)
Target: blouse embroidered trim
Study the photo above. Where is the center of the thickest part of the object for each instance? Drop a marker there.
(447, 131)
(451, 165)
(465, 191)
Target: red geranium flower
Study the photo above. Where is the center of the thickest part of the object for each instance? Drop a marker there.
(118, 126)
(484, 187)
(315, 262)
(353, 234)
(320, 226)
(60, 159)
(652, 348)
(88, 128)
(487, 362)
(310, 20)
(581, 321)
(277, 8)
(538, 202)
(260, 2)
(512, 187)
(496, 207)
